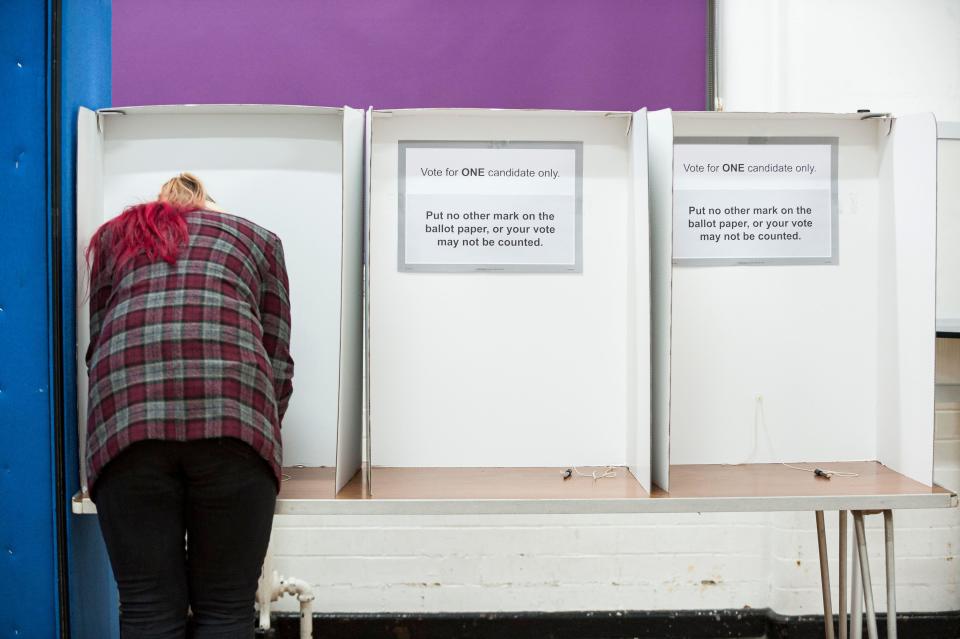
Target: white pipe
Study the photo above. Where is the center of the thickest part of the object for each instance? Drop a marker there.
(304, 594)
(306, 619)
(293, 586)
(265, 588)
(272, 586)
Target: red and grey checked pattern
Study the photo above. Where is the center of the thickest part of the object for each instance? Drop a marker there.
(193, 350)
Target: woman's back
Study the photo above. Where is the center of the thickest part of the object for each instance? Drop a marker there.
(196, 349)
(189, 374)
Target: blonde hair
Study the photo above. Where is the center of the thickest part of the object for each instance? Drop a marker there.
(185, 190)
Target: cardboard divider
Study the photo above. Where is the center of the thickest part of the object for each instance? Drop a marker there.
(350, 402)
(638, 306)
(907, 313)
(296, 171)
(518, 369)
(488, 385)
(948, 228)
(772, 363)
(660, 186)
(89, 203)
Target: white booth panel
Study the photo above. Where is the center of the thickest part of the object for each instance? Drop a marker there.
(774, 363)
(660, 144)
(907, 310)
(350, 404)
(638, 306)
(280, 167)
(777, 363)
(503, 369)
(948, 228)
(89, 203)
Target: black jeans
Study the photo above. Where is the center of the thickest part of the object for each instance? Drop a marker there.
(219, 495)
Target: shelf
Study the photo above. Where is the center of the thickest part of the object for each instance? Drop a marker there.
(530, 491)
(948, 328)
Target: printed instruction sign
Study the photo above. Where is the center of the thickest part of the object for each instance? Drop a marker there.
(755, 201)
(490, 206)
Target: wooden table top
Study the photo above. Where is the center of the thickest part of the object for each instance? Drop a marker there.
(693, 488)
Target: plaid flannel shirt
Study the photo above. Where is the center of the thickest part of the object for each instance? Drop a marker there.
(193, 350)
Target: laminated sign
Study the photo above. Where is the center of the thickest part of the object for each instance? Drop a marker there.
(755, 201)
(490, 206)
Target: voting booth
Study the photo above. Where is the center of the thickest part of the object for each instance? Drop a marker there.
(556, 294)
(948, 229)
(297, 171)
(508, 303)
(793, 290)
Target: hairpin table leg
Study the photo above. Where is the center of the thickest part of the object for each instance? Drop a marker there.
(856, 594)
(891, 578)
(865, 574)
(825, 577)
(842, 569)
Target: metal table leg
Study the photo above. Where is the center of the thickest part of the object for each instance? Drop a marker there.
(891, 578)
(865, 574)
(856, 596)
(825, 577)
(842, 569)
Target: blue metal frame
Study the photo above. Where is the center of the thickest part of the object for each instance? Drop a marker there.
(54, 55)
(28, 576)
(85, 81)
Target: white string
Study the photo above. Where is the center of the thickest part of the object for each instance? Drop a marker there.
(825, 471)
(286, 477)
(607, 473)
(760, 417)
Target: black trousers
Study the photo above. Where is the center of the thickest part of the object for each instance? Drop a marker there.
(186, 524)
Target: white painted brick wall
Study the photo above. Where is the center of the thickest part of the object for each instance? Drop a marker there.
(779, 55)
(462, 563)
(602, 563)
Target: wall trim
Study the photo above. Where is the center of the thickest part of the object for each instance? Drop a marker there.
(691, 624)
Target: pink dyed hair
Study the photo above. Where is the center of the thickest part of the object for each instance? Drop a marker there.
(157, 229)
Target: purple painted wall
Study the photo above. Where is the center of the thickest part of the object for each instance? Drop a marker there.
(571, 54)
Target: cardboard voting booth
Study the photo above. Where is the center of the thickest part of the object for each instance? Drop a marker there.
(612, 293)
(298, 171)
(948, 229)
(508, 300)
(807, 333)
